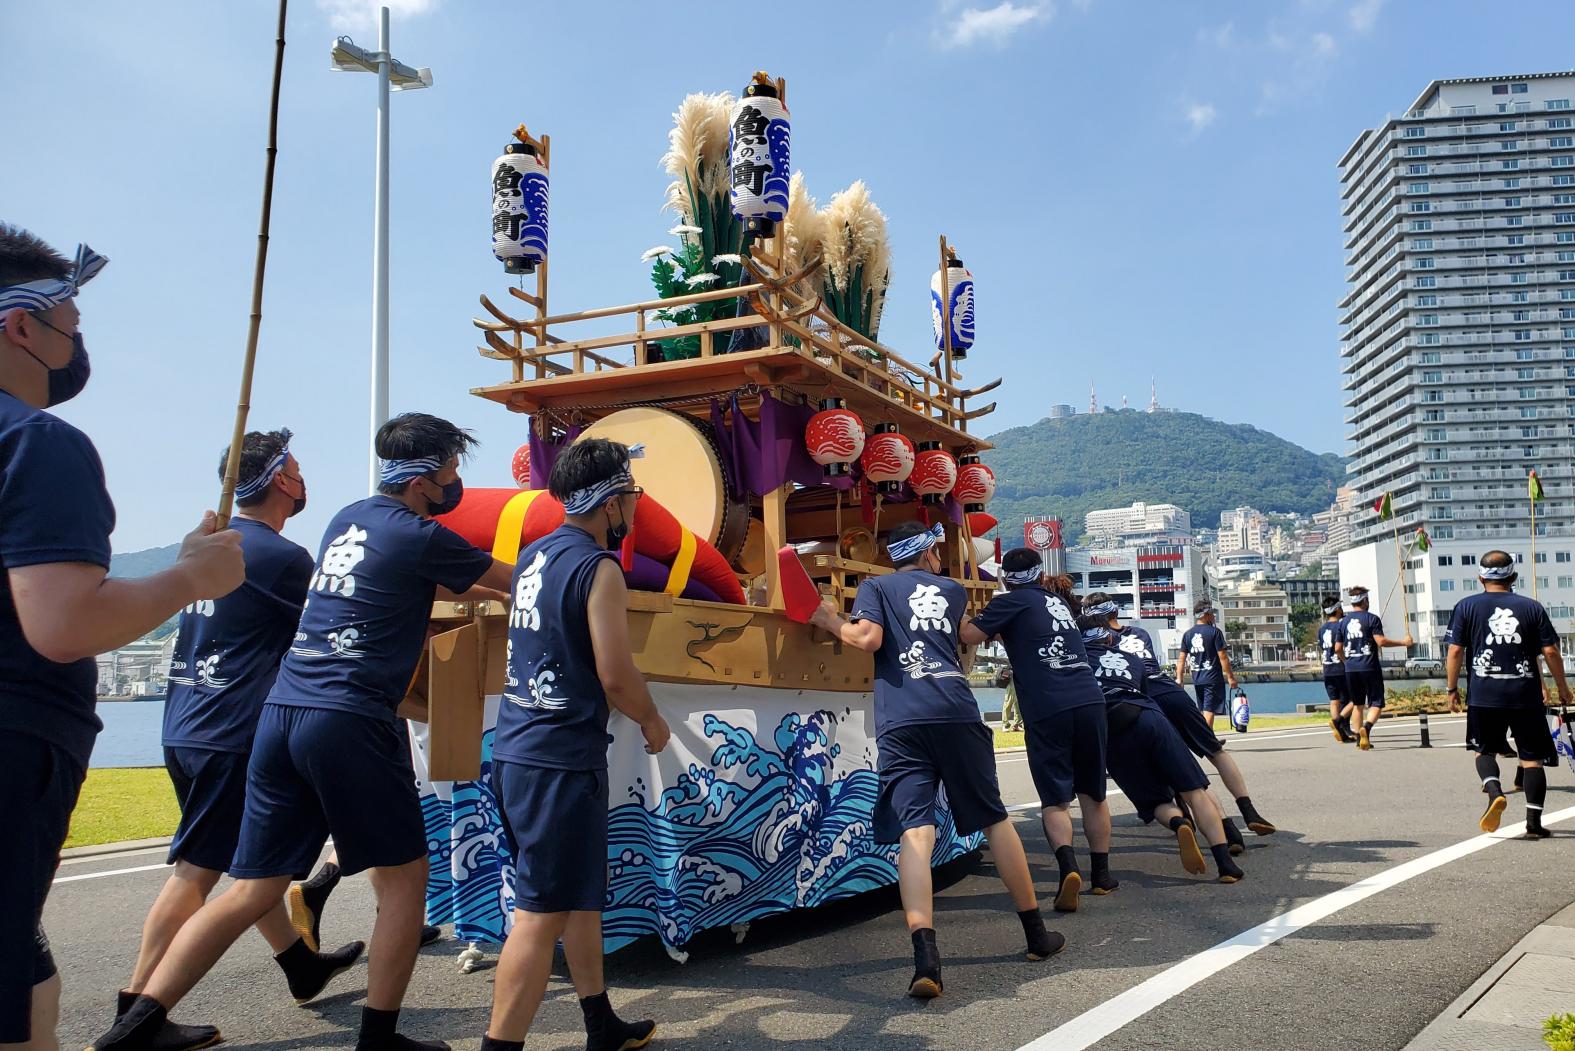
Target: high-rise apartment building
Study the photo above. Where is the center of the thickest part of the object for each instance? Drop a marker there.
(1139, 523)
(1458, 348)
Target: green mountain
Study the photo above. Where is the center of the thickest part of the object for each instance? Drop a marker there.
(1071, 466)
(145, 563)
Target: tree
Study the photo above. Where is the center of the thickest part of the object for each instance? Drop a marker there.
(1305, 617)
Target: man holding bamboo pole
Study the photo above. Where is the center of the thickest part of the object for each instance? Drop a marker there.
(58, 608)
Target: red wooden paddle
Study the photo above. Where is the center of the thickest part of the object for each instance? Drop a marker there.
(798, 591)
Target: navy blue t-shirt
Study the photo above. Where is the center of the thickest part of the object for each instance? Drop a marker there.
(1503, 634)
(1049, 664)
(53, 508)
(1203, 643)
(918, 678)
(1138, 642)
(227, 650)
(1358, 630)
(1121, 676)
(556, 710)
(368, 605)
(1330, 633)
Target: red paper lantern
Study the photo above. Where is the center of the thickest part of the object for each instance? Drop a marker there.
(934, 473)
(521, 466)
(887, 459)
(975, 484)
(835, 437)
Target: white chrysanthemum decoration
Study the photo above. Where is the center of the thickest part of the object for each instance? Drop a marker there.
(655, 253)
(722, 260)
(683, 229)
(696, 280)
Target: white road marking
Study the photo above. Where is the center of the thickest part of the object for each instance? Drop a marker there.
(1097, 1023)
(112, 872)
(112, 855)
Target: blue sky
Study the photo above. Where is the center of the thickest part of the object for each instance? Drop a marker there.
(1140, 189)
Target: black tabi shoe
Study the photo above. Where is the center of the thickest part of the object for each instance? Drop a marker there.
(1066, 896)
(430, 934)
(306, 901)
(1233, 837)
(1191, 856)
(926, 983)
(173, 1036)
(1490, 817)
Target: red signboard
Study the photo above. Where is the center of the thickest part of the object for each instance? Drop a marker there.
(1043, 535)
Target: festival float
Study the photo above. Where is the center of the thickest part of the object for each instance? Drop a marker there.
(775, 426)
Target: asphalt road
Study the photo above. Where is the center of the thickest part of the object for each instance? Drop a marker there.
(1369, 975)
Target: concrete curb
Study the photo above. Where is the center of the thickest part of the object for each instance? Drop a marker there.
(1504, 1009)
(122, 847)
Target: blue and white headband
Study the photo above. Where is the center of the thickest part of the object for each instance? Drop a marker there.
(392, 472)
(1031, 575)
(907, 550)
(1101, 609)
(50, 292)
(1095, 634)
(1496, 572)
(1332, 608)
(584, 501)
(265, 477)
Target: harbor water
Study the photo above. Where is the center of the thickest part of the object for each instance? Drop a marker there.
(132, 728)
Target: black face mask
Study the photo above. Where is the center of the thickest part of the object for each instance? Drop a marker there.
(453, 492)
(67, 381)
(617, 533)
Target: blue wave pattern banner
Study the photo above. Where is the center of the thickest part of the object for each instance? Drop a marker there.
(733, 823)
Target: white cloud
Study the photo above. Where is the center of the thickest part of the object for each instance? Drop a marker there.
(992, 26)
(1221, 37)
(348, 16)
(1363, 14)
(1200, 115)
(1322, 45)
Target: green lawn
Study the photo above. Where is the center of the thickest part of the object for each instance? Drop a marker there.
(119, 804)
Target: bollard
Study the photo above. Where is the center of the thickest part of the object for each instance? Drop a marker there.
(1427, 742)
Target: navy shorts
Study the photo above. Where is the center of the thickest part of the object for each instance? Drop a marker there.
(1366, 687)
(1066, 755)
(1184, 716)
(317, 772)
(39, 783)
(1150, 764)
(557, 828)
(211, 789)
(1488, 731)
(915, 762)
(1211, 697)
(1337, 688)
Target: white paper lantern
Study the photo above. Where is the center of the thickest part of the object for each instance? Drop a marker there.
(759, 158)
(519, 208)
(959, 286)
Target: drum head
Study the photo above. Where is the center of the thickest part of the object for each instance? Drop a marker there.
(681, 470)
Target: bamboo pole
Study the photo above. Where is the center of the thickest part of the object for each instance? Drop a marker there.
(232, 467)
(1405, 606)
(1533, 542)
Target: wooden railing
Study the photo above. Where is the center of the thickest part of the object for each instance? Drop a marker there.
(775, 304)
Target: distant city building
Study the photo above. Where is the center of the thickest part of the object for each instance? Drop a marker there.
(1154, 582)
(138, 669)
(1303, 590)
(1140, 522)
(1459, 341)
(1255, 614)
(1239, 564)
(1243, 529)
(1061, 412)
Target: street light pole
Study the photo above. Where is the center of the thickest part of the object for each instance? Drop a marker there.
(380, 250)
(392, 75)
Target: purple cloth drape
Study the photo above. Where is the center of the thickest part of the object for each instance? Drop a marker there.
(544, 453)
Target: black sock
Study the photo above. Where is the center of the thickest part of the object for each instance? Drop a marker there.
(1176, 822)
(307, 972)
(1223, 862)
(1066, 858)
(1536, 795)
(1099, 871)
(326, 876)
(926, 956)
(377, 1025)
(1487, 770)
(492, 1043)
(137, 1025)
